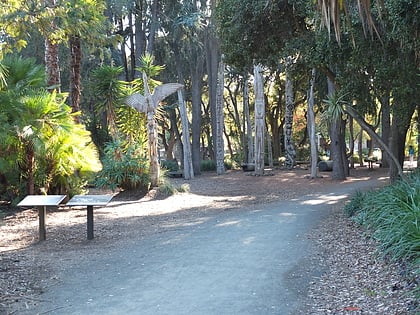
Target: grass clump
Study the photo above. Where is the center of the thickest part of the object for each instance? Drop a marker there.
(392, 215)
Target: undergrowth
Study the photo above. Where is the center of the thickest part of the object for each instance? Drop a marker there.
(392, 216)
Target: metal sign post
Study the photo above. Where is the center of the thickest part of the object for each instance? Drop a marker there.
(42, 202)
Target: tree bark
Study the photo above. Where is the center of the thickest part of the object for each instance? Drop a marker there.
(153, 27)
(197, 72)
(311, 126)
(219, 115)
(288, 127)
(338, 145)
(52, 66)
(75, 76)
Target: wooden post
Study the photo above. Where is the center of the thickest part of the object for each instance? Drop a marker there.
(259, 120)
(188, 167)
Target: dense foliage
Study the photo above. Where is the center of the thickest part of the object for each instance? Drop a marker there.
(43, 148)
(392, 215)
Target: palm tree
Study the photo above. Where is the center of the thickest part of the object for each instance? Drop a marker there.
(45, 146)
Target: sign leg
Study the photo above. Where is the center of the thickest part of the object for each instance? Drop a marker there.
(90, 222)
(42, 213)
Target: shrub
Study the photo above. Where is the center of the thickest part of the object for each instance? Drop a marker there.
(208, 165)
(124, 166)
(392, 215)
(355, 204)
(170, 165)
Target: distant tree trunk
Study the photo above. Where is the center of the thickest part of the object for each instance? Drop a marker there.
(187, 163)
(386, 127)
(288, 127)
(259, 120)
(351, 142)
(401, 120)
(360, 147)
(134, 53)
(196, 91)
(123, 53)
(249, 152)
(138, 37)
(153, 27)
(220, 150)
(52, 62)
(311, 126)
(269, 148)
(75, 68)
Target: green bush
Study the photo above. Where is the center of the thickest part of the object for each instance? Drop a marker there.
(124, 166)
(392, 215)
(356, 203)
(170, 165)
(208, 165)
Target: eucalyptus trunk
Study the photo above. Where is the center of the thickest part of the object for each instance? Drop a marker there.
(288, 127)
(197, 71)
(220, 150)
(312, 127)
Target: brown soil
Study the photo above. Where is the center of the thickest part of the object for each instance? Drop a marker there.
(27, 266)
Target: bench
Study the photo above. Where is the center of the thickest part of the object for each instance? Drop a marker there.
(370, 161)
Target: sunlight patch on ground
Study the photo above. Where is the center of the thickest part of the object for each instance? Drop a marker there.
(325, 199)
(227, 223)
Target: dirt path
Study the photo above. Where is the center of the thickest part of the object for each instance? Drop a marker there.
(29, 268)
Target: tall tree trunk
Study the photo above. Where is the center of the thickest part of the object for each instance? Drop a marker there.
(288, 127)
(123, 52)
(75, 76)
(153, 27)
(219, 115)
(259, 120)
(52, 62)
(197, 72)
(311, 126)
(249, 152)
(139, 34)
(133, 46)
(401, 119)
(338, 146)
